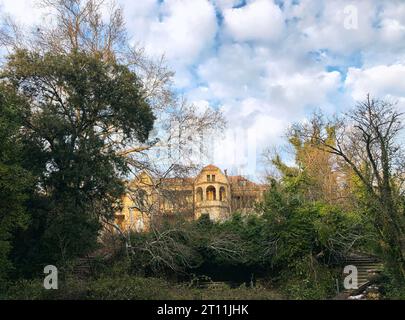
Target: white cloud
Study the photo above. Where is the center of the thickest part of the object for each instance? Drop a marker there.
(233, 73)
(180, 29)
(304, 89)
(323, 24)
(380, 81)
(258, 20)
(240, 73)
(25, 12)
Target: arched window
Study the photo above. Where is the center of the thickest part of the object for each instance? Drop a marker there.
(211, 193)
(222, 194)
(199, 195)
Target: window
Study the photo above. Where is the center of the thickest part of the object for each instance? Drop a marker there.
(213, 178)
(211, 193)
(208, 178)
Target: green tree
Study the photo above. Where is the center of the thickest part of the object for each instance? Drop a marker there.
(306, 239)
(310, 229)
(14, 180)
(368, 141)
(81, 111)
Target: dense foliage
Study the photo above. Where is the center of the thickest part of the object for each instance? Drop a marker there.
(296, 245)
(76, 112)
(15, 181)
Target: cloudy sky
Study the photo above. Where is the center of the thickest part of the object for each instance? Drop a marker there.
(268, 63)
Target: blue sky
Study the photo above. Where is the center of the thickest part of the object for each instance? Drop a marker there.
(268, 63)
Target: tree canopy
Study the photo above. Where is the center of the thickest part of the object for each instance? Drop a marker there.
(79, 111)
(15, 181)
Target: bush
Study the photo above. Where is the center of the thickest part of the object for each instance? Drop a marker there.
(390, 288)
(308, 280)
(25, 290)
(128, 288)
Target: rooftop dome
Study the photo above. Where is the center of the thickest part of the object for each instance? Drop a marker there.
(210, 167)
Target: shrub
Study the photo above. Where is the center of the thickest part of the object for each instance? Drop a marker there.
(390, 288)
(308, 280)
(24, 290)
(128, 288)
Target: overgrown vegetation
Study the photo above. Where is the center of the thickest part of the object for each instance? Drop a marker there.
(133, 288)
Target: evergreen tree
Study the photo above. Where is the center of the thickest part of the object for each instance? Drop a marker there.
(14, 180)
(81, 111)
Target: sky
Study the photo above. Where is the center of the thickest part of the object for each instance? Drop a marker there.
(268, 63)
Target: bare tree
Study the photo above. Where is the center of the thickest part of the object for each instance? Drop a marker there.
(177, 247)
(368, 141)
(166, 250)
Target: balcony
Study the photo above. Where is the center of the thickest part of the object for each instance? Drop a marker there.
(211, 203)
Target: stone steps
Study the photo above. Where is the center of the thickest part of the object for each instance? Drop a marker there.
(83, 267)
(367, 269)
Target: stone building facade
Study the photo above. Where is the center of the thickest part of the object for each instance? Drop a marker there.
(211, 192)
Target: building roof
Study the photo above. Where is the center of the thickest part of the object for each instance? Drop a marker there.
(242, 182)
(177, 181)
(236, 182)
(210, 167)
